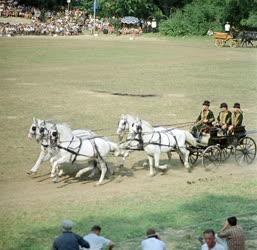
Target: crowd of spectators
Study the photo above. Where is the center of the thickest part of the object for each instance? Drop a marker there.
(230, 237)
(63, 22)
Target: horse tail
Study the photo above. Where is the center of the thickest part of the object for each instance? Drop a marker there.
(190, 139)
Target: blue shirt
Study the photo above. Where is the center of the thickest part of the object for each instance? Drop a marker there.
(69, 241)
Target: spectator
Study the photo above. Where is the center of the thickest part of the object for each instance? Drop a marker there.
(227, 27)
(153, 241)
(233, 234)
(69, 240)
(210, 241)
(96, 241)
(154, 25)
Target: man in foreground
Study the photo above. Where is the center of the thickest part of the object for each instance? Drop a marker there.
(153, 241)
(210, 241)
(233, 234)
(69, 240)
(96, 241)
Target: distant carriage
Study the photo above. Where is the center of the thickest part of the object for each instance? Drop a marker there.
(222, 39)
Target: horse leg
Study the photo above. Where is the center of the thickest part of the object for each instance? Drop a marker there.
(157, 162)
(103, 166)
(94, 165)
(152, 172)
(84, 170)
(55, 168)
(39, 161)
(185, 155)
(169, 156)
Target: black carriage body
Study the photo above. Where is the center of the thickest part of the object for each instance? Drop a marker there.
(226, 140)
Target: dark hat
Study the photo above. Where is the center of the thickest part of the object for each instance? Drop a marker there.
(236, 105)
(223, 105)
(206, 103)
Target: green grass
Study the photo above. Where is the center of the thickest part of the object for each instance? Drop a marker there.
(55, 78)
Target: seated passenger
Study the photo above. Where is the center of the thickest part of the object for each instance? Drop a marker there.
(224, 119)
(237, 118)
(204, 120)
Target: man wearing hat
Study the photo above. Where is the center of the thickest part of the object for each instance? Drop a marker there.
(153, 241)
(69, 240)
(237, 117)
(204, 120)
(224, 119)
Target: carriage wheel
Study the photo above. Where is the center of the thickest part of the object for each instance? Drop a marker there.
(211, 157)
(193, 157)
(226, 153)
(219, 43)
(245, 151)
(234, 44)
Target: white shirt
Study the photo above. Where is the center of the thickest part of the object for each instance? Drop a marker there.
(96, 242)
(153, 244)
(227, 27)
(216, 247)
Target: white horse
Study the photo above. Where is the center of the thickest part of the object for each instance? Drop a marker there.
(39, 130)
(124, 126)
(156, 142)
(72, 148)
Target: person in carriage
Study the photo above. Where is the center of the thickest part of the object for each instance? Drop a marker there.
(204, 121)
(224, 119)
(237, 119)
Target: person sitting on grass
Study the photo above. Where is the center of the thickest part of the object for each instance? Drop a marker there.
(96, 241)
(69, 240)
(210, 241)
(153, 241)
(233, 234)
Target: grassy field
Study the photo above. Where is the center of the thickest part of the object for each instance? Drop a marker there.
(73, 80)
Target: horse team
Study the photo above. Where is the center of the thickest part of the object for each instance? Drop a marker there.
(60, 144)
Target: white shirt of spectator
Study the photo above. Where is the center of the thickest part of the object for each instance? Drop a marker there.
(96, 242)
(227, 27)
(216, 247)
(153, 244)
(154, 24)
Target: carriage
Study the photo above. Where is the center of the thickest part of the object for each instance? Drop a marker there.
(221, 39)
(220, 147)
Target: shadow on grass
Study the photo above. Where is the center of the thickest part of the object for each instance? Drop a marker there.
(208, 211)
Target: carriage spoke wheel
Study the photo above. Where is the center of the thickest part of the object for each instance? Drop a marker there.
(245, 151)
(193, 157)
(211, 158)
(226, 153)
(219, 43)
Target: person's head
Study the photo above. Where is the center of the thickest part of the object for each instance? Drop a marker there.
(209, 237)
(232, 221)
(151, 233)
(206, 105)
(67, 225)
(96, 229)
(237, 107)
(223, 106)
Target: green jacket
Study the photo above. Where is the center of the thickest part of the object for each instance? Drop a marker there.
(237, 119)
(206, 115)
(225, 118)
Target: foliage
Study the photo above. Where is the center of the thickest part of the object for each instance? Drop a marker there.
(194, 19)
(251, 21)
(200, 15)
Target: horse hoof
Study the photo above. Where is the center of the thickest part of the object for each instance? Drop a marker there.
(189, 170)
(145, 164)
(98, 184)
(151, 175)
